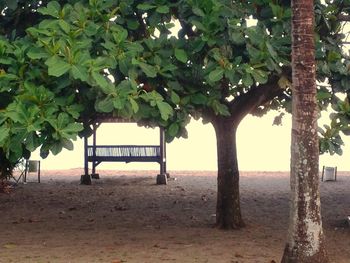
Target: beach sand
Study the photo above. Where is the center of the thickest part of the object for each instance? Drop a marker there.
(126, 217)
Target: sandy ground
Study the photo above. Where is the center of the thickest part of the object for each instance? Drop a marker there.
(125, 217)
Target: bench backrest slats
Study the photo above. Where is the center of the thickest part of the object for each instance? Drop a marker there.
(124, 151)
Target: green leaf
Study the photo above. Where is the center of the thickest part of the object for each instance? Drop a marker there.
(173, 129)
(346, 130)
(64, 26)
(132, 24)
(197, 11)
(120, 36)
(32, 142)
(165, 110)
(105, 105)
(174, 97)
(220, 108)
(135, 47)
(253, 52)
(198, 25)
(52, 9)
(276, 10)
(271, 50)
(247, 80)
(4, 133)
(68, 144)
(333, 56)
(181, 55)
(100, 80)
(91, 28)
(322, 95)
(57, 66)
(79, 72)
(118, 103)
(199, 99)
(162, 9)
(284, 83)
(56, 148)
(72, 128)
(37, 53)
(145, 7)
(6, 61)
(216, 74)
(74, 110)
(237, 38)
(149, 70)
(259, 76)
(12, 4)
(134, 105)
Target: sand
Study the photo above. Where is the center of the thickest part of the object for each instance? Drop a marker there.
(125, 217)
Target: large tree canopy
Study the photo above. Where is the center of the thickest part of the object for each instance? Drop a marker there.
(80, 59)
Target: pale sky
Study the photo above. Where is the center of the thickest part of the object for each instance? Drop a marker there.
(261, 147)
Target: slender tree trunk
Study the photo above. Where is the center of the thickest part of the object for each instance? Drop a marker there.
(228, 209)
(306, 243)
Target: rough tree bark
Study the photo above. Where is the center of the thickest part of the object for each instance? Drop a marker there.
(306, 242)
(228, 209)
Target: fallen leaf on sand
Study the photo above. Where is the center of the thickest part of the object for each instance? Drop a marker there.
(120, 208)
(33, 220)
(6, 187)
(10, 245)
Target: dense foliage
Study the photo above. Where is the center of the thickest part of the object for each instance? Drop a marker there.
(80, 59)
(157, 62)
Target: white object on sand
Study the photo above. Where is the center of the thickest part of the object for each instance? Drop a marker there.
(329, 173)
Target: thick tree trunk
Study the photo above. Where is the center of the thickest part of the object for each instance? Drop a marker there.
(305, 239)
(228, 210)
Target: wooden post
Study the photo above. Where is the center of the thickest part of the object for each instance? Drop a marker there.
(39, 167)
(94, 175)
(162, 177)
(86, 163)
(85, 178)
(162, 148)
(26, 168)
(165, 159)
(94, 148)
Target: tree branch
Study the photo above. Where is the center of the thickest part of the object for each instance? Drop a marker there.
(255, 97)
(345, 18)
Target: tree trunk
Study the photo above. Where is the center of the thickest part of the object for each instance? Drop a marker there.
(228, 209)
(305, 238)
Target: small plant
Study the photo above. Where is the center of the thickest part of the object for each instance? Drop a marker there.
(6, 167)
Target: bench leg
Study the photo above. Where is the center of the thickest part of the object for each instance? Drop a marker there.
(95, 176)
(162, 178)
(85, 179)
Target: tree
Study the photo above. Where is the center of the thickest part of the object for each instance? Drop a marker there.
(16, 17)
(238, 63)
(58, 73)
(306, 242)
(228, 59)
